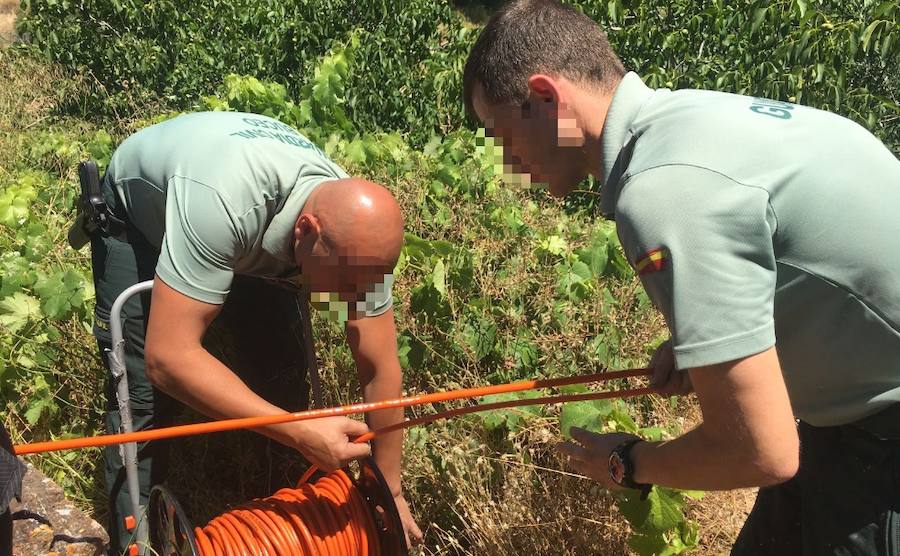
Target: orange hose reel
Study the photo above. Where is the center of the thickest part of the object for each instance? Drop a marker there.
(337, 515)
(341, 513)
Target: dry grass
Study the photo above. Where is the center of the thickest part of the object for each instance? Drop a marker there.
(8, 10)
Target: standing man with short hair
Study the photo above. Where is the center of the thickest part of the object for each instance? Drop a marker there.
(229, 214)
(768, 235)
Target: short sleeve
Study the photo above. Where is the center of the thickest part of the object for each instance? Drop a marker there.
(200, 243)
(701, 244)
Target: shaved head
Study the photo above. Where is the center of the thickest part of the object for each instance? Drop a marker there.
(357, 218)
(347, 240)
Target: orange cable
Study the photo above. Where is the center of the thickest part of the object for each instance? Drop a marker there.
(251, 422)
(330, 517)
(629, 393)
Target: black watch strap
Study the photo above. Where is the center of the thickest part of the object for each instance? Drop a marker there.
(621, 468)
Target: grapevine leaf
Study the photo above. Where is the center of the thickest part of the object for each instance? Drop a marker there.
(596, 256)
(552, 245)
(18, 310)
(356, 152)
(509, 418)
(62, 293)
(523, 351)
(653, 434)
(481, 336)
(15, 273)
(620, 420)
(427, 300)
(411, 351)
(37, 407)
(659, 513)
(41, 400)
(649, 544)
(586, 415)
(15, 201)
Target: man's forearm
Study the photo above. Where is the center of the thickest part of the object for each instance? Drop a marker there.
(695, 461)
(212, 389)
(388, 448)
(747, 438)
(373, 342)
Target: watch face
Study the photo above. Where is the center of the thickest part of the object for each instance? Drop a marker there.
(616, 468)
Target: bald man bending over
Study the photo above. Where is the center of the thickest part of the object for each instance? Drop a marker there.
(230, 214)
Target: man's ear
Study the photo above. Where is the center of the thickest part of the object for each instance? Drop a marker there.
(556, 96)
(545, 88)
(307, 229)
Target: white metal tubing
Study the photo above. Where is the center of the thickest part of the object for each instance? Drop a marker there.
(128, 452)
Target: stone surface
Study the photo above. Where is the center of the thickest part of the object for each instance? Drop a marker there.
(55, 527)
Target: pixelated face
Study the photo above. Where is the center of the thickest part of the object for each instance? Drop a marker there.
(351, 283)
(534, 138)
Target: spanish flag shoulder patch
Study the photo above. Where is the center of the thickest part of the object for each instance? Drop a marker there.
(652, 261)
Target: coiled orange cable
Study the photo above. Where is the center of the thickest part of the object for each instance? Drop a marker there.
(329, 517)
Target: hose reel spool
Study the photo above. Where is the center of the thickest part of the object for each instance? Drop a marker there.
(172, 533)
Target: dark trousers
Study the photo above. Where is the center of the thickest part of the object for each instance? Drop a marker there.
(257, 335)
(11, 472)
(844, 501)
(6, 534)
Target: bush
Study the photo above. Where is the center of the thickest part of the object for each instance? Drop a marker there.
(840, 56)
(140, 52)
(835, 55)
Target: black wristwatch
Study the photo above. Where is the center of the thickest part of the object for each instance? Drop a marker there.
(621, 468)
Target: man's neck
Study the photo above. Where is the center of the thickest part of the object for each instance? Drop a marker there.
(592, 107)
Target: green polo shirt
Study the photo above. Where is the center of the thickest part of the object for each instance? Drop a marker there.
(218, 194)
(754, 223)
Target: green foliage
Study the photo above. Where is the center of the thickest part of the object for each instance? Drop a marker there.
(63, 293)
(19, 310)
(42, 295)
(509, 419)
(15, 202)
(660, 526)
(406, 72)
(834, 55)
(321, 115)
(493, 284)
(405, 76)
(597, 415)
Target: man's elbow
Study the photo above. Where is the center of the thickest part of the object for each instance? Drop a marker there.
(777, 471)
(158, 370)
(779, 462)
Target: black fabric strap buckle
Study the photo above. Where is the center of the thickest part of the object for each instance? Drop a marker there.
(95, 216)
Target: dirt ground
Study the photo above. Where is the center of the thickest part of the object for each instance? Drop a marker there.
(8, 9)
